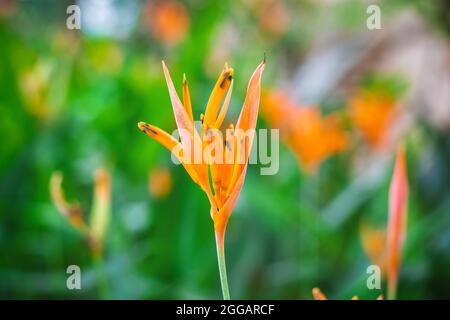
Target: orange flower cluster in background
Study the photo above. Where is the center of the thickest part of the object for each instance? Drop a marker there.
(310, 135)
(372, 113)
(168, 21)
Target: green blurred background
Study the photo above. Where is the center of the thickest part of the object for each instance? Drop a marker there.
(70, 101)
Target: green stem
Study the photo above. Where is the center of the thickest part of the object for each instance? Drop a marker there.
(103, 287)
(222, 266)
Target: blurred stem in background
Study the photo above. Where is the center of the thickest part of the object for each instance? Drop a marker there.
(220, 247)
(103, 286)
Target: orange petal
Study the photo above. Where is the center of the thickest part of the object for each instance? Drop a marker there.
(221, 217)
(249, 113)
(171, 144)
(214, 143)
(184, 124)
(223, 111)
(159, 135)
(188, 134)
(187, 99)
(226, 169)
(217, 95)
(247, 120)
(398, 197)
(238, 165)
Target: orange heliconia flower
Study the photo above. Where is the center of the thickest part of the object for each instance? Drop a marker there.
(318, 295)
(373, 113)
(311, 136)
(398, 200)
(168, 21)
(228, 174)
(160, 182)
(227, 179)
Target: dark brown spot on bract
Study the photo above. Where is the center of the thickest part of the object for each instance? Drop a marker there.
(148, 128)
(226, 76)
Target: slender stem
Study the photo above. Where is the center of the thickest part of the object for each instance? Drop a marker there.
(102, 279)
(222, 266)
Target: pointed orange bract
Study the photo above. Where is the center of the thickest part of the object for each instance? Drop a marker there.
(398, 198)
(384, 248)
(227, 178)
(311, 136)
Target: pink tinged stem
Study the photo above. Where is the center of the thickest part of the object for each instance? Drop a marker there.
(398, 197)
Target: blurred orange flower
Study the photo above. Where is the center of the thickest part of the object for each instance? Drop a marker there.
(168, 21)
(273, 15)
(160, 182)
(311, 136)
(373, 112)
